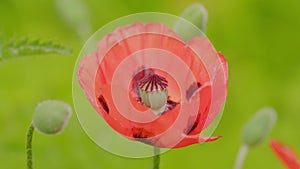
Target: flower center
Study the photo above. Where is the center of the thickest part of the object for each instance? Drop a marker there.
(153, 92)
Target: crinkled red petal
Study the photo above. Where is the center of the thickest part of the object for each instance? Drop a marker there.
(285, 154)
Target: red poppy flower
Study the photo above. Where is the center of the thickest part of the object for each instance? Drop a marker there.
(285, 154)
(151, 86)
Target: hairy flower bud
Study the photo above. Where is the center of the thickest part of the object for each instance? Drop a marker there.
(197, 15)
(259, 126)
(51, 116)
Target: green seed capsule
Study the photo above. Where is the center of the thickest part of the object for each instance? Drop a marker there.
(154, 93)
(155, 100)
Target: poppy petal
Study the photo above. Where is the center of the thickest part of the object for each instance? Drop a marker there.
(285, 154)
(197, 126)
(216, 66)
(86, 76)
(195, 139)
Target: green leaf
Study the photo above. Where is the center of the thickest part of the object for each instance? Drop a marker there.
(26, 47)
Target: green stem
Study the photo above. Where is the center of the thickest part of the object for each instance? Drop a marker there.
(241, 156)
(156, 158)
(29, 146)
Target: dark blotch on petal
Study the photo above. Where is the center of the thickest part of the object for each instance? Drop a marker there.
(192, 89)
(140, 134)
(171, 105)
(192, 125)
(103, 103)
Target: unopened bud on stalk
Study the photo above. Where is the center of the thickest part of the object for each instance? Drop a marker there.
(259, 126)
(197, 15)
(51, 116)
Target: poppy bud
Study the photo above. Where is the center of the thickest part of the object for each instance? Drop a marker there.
(154, 93)
(76, 15)
(197, 15)
(259, 126)
(51, 116)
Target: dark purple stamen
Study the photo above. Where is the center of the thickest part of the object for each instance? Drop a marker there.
(171, 105)
(153, 82)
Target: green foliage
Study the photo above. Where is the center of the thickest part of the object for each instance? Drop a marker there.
(27, 47)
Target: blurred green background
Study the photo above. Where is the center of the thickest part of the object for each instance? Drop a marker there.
(260, 40)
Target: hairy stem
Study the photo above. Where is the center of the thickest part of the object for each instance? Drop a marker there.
(241, 156)
(156, 158)
(29, 146)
